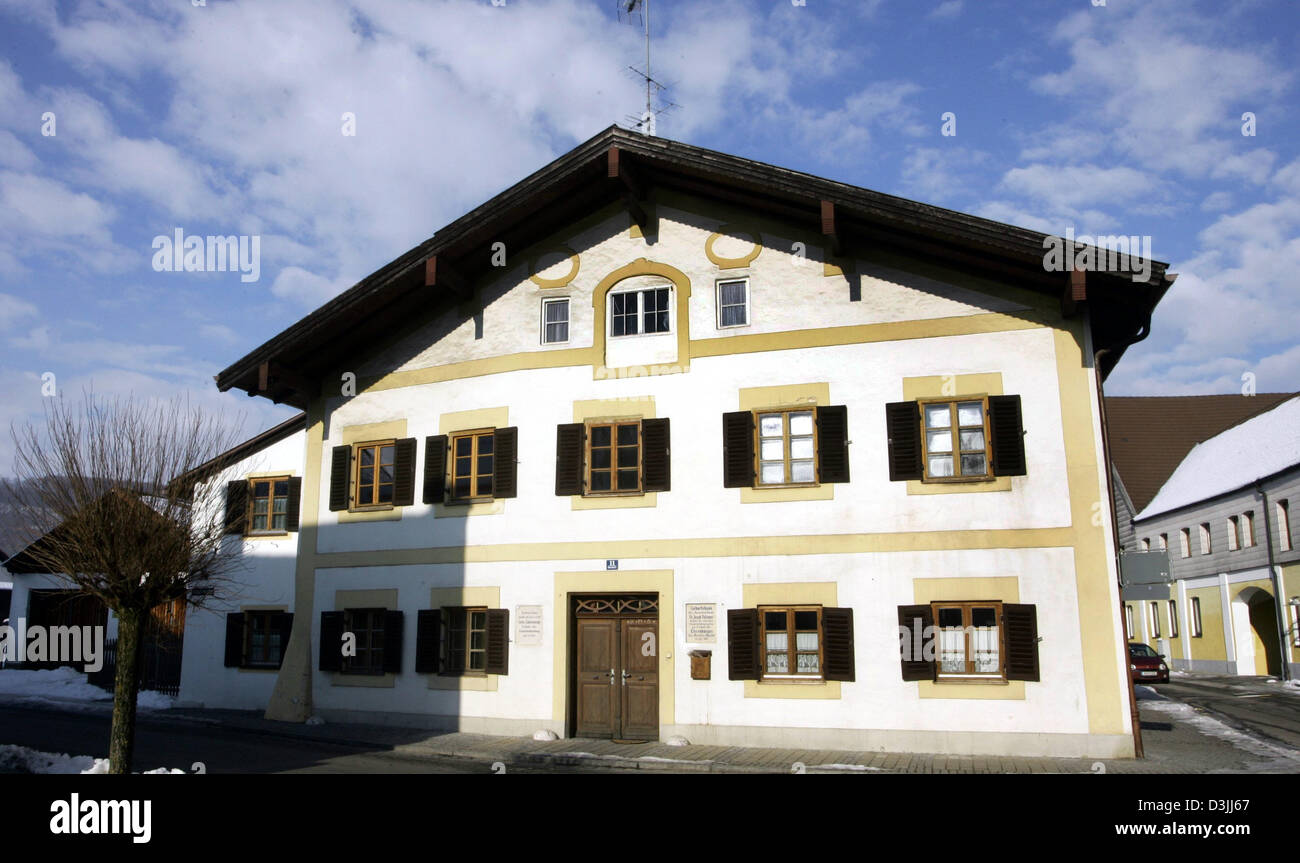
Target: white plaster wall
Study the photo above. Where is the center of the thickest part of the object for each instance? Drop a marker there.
(264, 577)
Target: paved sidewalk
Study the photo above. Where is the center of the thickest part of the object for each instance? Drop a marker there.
(1178, 739)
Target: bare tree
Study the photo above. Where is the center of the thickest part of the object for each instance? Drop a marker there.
(108, 487)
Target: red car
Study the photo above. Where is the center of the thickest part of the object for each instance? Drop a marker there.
(1146, 665)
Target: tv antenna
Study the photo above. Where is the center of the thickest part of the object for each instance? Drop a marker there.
(653, 88)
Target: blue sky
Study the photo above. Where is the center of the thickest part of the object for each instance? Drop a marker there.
(225, 119)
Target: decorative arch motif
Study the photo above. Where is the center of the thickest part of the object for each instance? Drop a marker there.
(733, 263)
(575, 262)
(599, 296)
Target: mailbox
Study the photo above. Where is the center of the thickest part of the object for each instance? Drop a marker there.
(701, 661)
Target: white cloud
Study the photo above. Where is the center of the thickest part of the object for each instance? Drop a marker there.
(13, 310)
(946, 10)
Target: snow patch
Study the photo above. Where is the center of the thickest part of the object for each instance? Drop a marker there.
(677, 741)
(68, 684)
(314, 720)
(544, 735)
(1214, 728)
(24, 760)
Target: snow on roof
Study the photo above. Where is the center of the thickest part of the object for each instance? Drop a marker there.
(1261, 446)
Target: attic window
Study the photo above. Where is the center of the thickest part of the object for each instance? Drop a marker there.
(641, 312)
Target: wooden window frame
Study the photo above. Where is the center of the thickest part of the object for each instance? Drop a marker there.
(717, 294)
(1164, 542)
(568, 320)
(1154, 608)
(1128, 622)
(1173, 618)
(785, 446)
(349, 664)
(1145, 543)
(792, 652)
(1234, 533)
(955, 431)
(377, 445)
(474, 476)
(1295, 623)
(270, 506)
(1282, 509)
(1248, 529)
(1206, 538)
(640, 311)
(969, 673)
(1194, 613)
(446, 664)
(248, 661)
(588, 466)
(1185, 541)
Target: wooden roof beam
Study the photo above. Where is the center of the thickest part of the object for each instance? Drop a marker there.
(440, 275)
(830, 230)
(632, 191)
(273, 376)
(1074, 292)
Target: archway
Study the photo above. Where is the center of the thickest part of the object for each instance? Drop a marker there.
(1254, 627)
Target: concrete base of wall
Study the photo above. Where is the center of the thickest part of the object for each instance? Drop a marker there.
(935, 742)
(431, 722)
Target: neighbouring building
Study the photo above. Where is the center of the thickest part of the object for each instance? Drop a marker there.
(662, 441)
(1231, 602)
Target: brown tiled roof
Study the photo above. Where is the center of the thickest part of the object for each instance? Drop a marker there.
(1151, 435)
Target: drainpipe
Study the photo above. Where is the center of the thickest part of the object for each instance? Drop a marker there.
(1278, 598)
(1134, 717)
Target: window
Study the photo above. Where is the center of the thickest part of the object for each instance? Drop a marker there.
(969, 639)
(269, 510)
(1155, 619)
(634, 313)
(1164, 542)
(955, 439)
(1195, 622)
(1146, 543)
(617, 456)
(733, 303)
(257, 639)
(1283, 525)
(375, 473)
(1234, 533)
(1173, 618)
(787, 449)
(614, 457)
(472, 464)
(465, 647)
(1205, 537)
(1248, 528)
(1185, 541)
(555, 321)
(792, 643)
(1128, 621)
(1295, 624)
(367, 625)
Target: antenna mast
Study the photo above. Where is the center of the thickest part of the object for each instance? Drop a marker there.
(646, 122)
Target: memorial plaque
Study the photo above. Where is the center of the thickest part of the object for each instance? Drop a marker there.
(701, 622)
(528, 626)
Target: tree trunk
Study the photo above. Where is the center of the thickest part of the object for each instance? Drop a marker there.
(121, 741)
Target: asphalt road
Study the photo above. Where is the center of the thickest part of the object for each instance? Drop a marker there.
(221, 750)
(1245, 704)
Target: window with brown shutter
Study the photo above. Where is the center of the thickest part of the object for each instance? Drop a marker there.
(738, 449)
(744, 649)
(428, 641)
(570, 446)
(366, 625)
(613, 457)
(791, 642)
(332, 625)
(903, 428)
(916, 641)
(340, 477)
(785, 447)
(972, 640)
(236, 507)
(374, 476)
(435, 468)
(505, 470)
(473, 465)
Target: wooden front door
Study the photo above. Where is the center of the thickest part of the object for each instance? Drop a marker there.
(616, 673)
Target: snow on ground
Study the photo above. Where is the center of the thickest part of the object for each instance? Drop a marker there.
(1214, 728)
(1148, 693)
(68, 684)
(24, 760)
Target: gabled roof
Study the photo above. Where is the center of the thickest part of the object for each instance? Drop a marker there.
(1150, 435)
(242, 451)
(618, 165)
(1260, 447)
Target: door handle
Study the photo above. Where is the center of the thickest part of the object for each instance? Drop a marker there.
(611, 677)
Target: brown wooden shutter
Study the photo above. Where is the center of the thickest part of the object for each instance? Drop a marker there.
(833, 443)
(404, 472)
(915, 622)
(837, 643)
(236, 506)
(428, 640)
(570, 440)
(293, 507)
(1007, 435)
(282, 623)
(1020, 641)
(331, 640)
(505, 449)
(498, 641)
(234, 639)
(435, 468)
(340, 478)
(738, 450)
(903, 425)
(656, 463)
(393, 640)
(744, 653)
